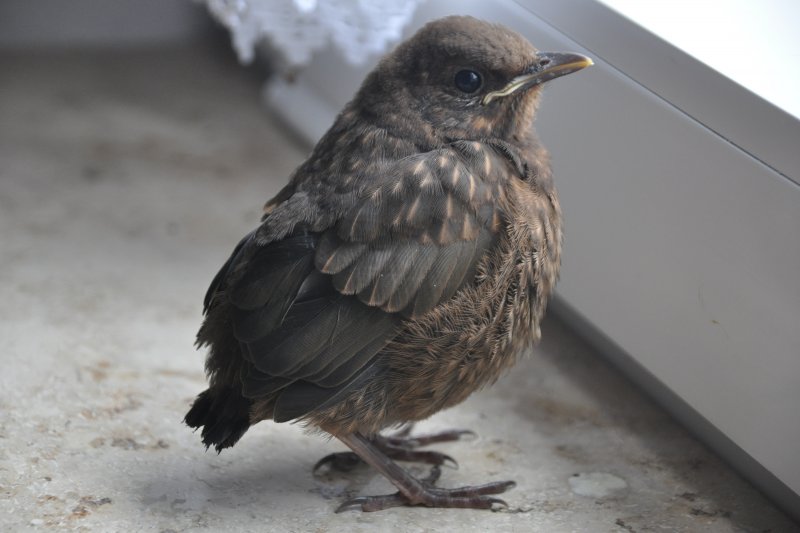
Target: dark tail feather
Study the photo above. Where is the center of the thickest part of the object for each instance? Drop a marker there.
(224, 415)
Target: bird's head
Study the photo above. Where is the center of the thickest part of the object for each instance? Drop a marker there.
(463, 78)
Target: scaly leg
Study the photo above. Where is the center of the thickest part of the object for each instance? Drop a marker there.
(413, 491)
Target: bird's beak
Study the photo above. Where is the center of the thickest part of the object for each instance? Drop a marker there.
(548, 65)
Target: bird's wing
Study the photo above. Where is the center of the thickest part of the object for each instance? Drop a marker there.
(311, 310)
(418, 233)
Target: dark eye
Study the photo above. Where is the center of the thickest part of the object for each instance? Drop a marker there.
(468, 81)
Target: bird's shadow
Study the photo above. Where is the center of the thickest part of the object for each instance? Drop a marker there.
(262, 471)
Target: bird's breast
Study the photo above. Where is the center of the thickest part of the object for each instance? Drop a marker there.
(439, 359)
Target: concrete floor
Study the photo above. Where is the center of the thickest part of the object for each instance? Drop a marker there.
(125, 180)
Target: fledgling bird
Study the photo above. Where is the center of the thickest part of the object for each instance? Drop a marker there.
(407, 263)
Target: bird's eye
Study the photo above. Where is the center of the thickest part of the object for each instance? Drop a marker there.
(468, 81)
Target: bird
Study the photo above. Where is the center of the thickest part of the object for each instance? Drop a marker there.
(406, 264)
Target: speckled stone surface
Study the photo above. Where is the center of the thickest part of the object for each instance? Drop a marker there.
(125, 180)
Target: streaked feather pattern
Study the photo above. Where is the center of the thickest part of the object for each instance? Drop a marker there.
(311, 310)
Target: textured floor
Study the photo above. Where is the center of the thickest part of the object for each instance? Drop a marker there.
(125, 180)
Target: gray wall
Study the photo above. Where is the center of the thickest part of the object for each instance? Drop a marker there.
(37, 23)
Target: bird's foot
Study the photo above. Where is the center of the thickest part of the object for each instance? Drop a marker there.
(403, 438)
(399, 446)
(428, 495)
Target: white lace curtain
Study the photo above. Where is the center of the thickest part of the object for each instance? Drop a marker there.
(359, 28)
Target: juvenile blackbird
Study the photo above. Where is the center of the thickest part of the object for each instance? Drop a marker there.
(406, 264)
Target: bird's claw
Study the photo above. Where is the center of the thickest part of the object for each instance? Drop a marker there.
(355, 502)
(462, 497)
(340, 461)
(420, 456)
(402, 439)
(400, 447)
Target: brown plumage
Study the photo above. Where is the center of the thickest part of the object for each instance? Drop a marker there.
(407, 263)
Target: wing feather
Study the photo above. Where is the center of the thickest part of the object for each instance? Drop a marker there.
(312, 310)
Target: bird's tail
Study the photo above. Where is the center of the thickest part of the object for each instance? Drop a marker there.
(224, 415)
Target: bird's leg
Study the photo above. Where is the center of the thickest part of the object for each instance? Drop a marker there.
(413, 491)
(399, 446)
